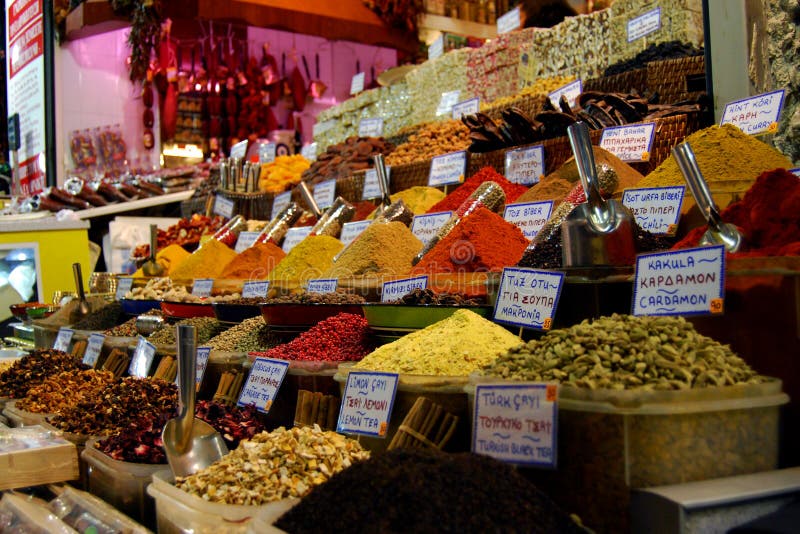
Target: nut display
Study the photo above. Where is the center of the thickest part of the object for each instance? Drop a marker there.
(343, 159)
(431, 140)
(336, 297)
(64, 390)
(153, 290)
(33, 369)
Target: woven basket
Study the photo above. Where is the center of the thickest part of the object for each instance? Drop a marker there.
(352, 187)
(250, 205)
(409, 175)
(495, 159)
(530, 105)
(624, 82)
(676, 80)
(194, 205)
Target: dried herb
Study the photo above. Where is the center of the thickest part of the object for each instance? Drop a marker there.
(234, 423)
(35, 368)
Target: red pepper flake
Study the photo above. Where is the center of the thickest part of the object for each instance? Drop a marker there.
(341, 338)
(452, 201)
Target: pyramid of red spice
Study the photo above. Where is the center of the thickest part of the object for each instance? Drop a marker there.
(452, 201)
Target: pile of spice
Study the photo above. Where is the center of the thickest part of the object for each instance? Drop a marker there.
(418, 199)
(126, 329)
(206, 262)
(64, 390)
(106, 317)
(229, 339)
(548, 188)
(420, 297)
(336, 297)
(233, 423)
(273, 466)
(768, 217)
(186, 231)
(309, 259)
(654, 52)
(381, 249)
(254, 263)
(33, 369)
(482, 242)
(431, 140)
(452, 201)
(424, 490)
(626, 352)
(341, 338)
(456, 346)
(206, 328)
(169, 258)
(363, 209)
(138, 443)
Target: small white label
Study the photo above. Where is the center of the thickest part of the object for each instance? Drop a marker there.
(202, 287)
(370, 127)
(629, 143)
(528, 297)
(320, 128)
(245, 241)
(446, 103)
(367, 403)
(372, 188)
(266, 153)
(263, 383)
(572, 90)
(223, 206)
(280, 202)
(525, 165)
(529, 217)
(516, 423)
(357, 84)
(509, 21)
(656, 209)
(94, 346)
(255, 289)
(644, 24)
(448, 169)
(436, 49)
(683, 282)
(351, 230)
(757, 114)
(294, 236)
(201, 364)
(325, 193)
(239, 149)
(309, 151)
(398, 288)
(63, 338)
(467, 107)
(322, 285)
(142, 358)
(796, 172)
(425, 227)
(124, 285)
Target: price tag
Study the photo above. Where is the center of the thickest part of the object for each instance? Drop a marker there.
(309, 151)
(683, 282)
(644, 24)
(657, 209)
(322, 285)
(436, 49)
(509, 21)
(467, 107)
(201, 364)
(294, 236)
(796, 172)
(124, 285)
(447, 102)
(448, 169)
(528, 297)
(280, 202)
(351, 230)
(357, 84)
(516, 423)
(94, 346)
(397, 288)
(245, 241)
(370, 127)
(63, 338)
(202, 287)
(325, 193)
(223, 206)
(367, 403)
(757, 114)
(629, 143)
(142, 358)
(255, 289)
(572, 90)
(371, 187)
(425, 227)
(263, 383)
(239, 149)
(525, 165)
(266, 153)
(529, 217)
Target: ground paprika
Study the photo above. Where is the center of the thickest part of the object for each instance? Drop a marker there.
(462, 192)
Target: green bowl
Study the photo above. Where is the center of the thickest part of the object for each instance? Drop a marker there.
(404, 317)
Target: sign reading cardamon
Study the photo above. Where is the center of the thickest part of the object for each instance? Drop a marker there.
(528, 297)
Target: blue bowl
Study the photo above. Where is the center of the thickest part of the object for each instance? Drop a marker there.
(138, 307)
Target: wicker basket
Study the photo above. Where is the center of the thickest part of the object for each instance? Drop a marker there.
(676, 80)
(195, 205)
(530, 105)
(250, 205)
(624, 82)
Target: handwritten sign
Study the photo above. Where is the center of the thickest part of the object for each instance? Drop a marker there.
(525, 165)
(370, 127)
(529, 217)
(467, 107)
(63, 339)
(357, 84)
(367, 403)
(509, 21)
(446, 103)
(124, 285)
(436, 49)
(516, 423)
(572, 90)
(629, 143)
(397, 288)
(94, 346)
(202, 287)
(263, 383)
(372, 188)
(245, 240)
(656, 209)
(322, 285)
(280, 203)
(309, 151)
(796, 172)
(239, 149)
(528, 297)
(254, 289)
(683, 282)
(425, 227)
(294, 236)
(201, 364)
(223, 206)
(325, 193)
(644, 24)
(266, 153)
(757, 114)
(351, 230)
(448, 169)
(142, 358)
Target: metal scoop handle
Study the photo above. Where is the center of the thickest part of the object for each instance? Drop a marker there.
(687, 163)
(187, 343)
(153, 241)
(599, 214)
(309, 198)
(383, 178)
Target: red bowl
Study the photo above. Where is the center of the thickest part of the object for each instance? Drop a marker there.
(304, 315)
(187, 310)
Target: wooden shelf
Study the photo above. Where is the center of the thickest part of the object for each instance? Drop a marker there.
(457, 26)
(122, 207)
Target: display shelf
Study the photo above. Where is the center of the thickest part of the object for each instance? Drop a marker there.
(122, 207)
(41, 225)
(457, 26)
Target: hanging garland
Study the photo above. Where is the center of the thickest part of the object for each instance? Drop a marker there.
(145, 17)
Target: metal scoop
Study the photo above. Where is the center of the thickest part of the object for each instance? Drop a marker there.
(309, 198)
(719, 233)
(191, 444)
(598, 232)
(151, 267)
(82, 309)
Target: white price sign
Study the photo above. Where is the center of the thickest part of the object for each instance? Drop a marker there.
(796, 172)
(528, 298)
(201, 364)
(63, 339)
(530, 217)
(280, 202)
(351, 230)
(94, 347)
(245, 241)
(239, 149)
(266, 153)
(510, 21)
(446, 103)
(322, 285)
(263, 383)
(142, 359)
(367, 403)
(756, 115)
(309, 151)
(370, 127)
(436, 49)
(325, 193)
(467, 107)
(656, 209)
(572, 90)
(372, 188)
(644, 24)
(255, 289)
(224, 206)
(525, 165)
(425, 227)
(357, 84)
(396, 289)
(202, 287)
(448, 169)
(294, 236)
(629, 143)
(124, 285)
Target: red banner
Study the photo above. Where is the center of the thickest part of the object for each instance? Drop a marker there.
(31, 177)
(21, 14)
(27, 48)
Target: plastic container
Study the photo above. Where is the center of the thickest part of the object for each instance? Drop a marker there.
(20, 515)
(87, 513)
(19, 418)
(264, 521)
(406, 317)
